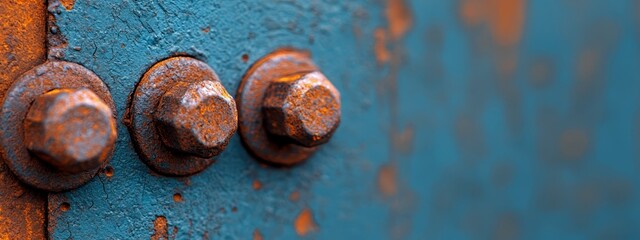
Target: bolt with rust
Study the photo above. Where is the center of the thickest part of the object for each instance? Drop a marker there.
(197, 118)
(73, 130)
(303, 108)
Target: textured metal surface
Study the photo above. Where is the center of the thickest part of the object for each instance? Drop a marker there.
(303, 108)
(22, 46)
(146, 108)
(197, 118)
(485, 119)
(72, 130)
(31, 85)
(251, 94)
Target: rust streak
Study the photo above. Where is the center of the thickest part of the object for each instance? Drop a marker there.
(504, 17)
(380, 47)
(507, 21)
(399, 17)
(387, 181)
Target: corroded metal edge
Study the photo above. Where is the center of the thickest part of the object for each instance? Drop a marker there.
(39, 80)
(154, 83)
(249, 98)
(22, 46)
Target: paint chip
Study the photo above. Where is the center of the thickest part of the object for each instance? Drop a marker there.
(304, 223)
(160, 228)
(68, 4)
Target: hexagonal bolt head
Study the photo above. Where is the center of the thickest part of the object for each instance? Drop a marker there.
(71, 129)
(303, 108)
(197, 118)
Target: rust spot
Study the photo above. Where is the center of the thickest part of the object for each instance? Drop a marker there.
(294, 196)
(380, 47)
(245, 58)
(257, 235)
(574, 143)
(505, 17)
(399, 17)
(160, 229)
(108, 171)
(507, 21)
(206, 30)
(68, 4)
(177, 197)
(257, 185)
(65, 206)
(387, 180)
(304, 223)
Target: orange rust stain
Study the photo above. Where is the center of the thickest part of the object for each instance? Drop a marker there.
(22, 46)
(65, 206)
(380, 46)
(257, 235)
(304, 223)
(505, 17)
(108, 171)
(387, 180)
(472, 12)
(177, 197)
(294, 196)
(68, 4)
(507, 21)
(257, 185)
(399, 17)
(160, 229)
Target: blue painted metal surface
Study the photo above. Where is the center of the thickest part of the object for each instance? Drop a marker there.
(485, 119)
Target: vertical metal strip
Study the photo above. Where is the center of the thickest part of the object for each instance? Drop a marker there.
(22, 46)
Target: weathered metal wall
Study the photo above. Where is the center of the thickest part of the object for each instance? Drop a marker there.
(490, 119)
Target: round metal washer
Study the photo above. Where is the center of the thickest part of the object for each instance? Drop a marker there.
(37, 81)
(249, 100)
(153, 85)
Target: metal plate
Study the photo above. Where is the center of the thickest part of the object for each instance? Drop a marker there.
(37, 81)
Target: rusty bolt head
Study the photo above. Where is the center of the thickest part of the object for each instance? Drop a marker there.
(197, 118)
(71, 129)
(303, 108)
